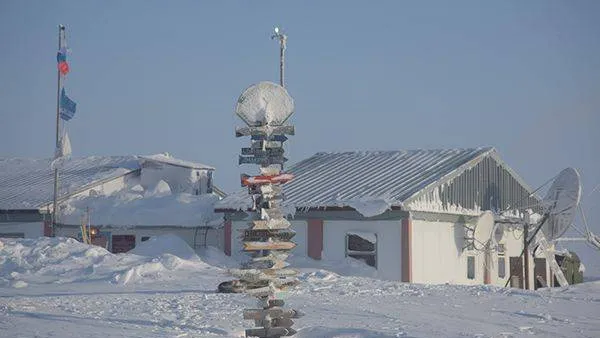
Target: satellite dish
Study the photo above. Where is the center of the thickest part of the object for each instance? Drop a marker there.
(561, 203)
(265, 103)
(483, 230)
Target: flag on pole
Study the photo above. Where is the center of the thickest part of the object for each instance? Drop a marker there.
(67, 106)
(62, 152)
(61, 58)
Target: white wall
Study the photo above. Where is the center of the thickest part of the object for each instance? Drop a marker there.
(389, 262)
(437, 255)
(179, 179)
(30, 230)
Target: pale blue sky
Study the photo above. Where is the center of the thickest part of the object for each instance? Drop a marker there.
(155, 76)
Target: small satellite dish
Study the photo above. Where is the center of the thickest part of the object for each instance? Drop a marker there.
(265, 103)
(483, 230)
(561, 203)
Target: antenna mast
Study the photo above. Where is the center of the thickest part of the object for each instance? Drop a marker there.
(282, 45)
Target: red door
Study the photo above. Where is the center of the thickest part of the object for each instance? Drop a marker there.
(122, 243)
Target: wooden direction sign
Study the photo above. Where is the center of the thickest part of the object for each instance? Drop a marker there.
(272, 224)
(268, 332)
(251, 246)
(261, 235)
(263, 152)
(271, 256)
(270, 138)
(274, 264)
(274, 312)
(263, 160)
(268, 131)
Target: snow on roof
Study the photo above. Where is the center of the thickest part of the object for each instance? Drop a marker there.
(368, 181)
(168, 159)
(28, 183)
(136, 208)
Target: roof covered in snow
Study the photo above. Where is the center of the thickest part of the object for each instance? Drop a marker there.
(168, 159)
(29, 183)
(372, 181)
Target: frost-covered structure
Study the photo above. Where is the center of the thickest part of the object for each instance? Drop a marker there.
(128, 198)
(416, 207)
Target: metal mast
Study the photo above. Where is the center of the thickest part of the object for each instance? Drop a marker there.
(282, 45)
(61, 35)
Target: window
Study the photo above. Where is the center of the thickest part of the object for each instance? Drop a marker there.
(501, 266)
(362, 246)
(145, 238)
(209, 182)
(501, 261)
(471, 267)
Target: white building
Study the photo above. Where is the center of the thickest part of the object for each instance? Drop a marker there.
(406, 213)
(128, 198)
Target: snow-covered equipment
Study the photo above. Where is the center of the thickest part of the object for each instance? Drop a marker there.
(265, 107)
(558, 211)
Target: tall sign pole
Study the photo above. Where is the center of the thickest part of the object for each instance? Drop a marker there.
(61, 36)
(282, 45)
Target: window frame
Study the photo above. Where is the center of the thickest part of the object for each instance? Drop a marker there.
(354, 253)
(471, 266)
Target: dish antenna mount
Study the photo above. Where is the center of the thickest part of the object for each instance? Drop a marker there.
(559, 206)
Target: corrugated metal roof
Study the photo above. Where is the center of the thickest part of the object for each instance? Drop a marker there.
(28, 183)
(330, 179)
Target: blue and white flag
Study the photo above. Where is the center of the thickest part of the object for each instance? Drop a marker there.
(67, 106)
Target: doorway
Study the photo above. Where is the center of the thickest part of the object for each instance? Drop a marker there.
(516, 272)
(122, 243)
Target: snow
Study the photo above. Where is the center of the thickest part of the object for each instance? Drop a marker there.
(136, 206)
(168, 159)
(57, 287)
(431, 201)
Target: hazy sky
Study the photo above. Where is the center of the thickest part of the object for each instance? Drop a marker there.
(156, 76)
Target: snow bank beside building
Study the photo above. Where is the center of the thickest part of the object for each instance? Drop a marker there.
(65, 260)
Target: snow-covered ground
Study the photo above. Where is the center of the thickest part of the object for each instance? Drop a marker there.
(57, 287)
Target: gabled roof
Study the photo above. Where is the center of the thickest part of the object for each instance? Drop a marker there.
(27, 184)
(353, 178)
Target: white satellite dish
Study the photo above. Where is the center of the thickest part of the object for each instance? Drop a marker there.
(561, 203)
(265, 103)
(479, 235)
(483, 230)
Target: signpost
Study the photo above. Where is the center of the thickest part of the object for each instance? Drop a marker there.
(265, 108)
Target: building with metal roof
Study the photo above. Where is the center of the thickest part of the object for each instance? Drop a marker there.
(410, 214)
(128, 197)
